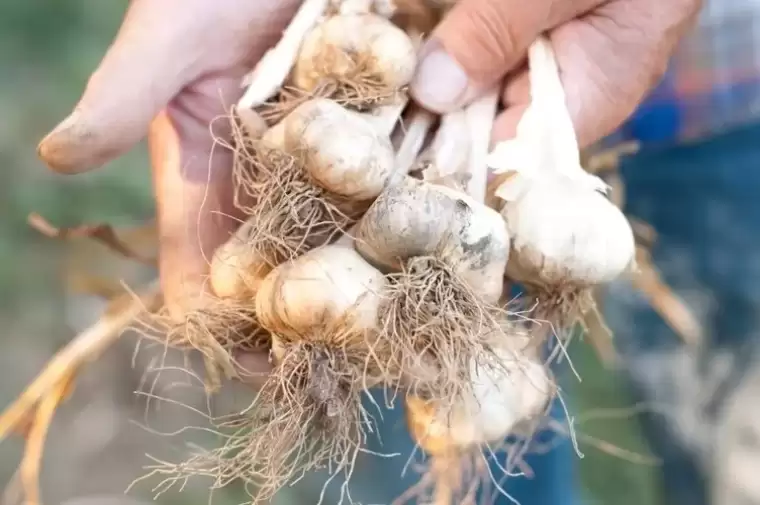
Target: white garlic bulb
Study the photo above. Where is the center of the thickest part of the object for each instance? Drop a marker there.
(564, 230)
(513, 388)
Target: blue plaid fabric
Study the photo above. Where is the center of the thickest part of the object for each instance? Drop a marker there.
(713, 82)
(696, 181)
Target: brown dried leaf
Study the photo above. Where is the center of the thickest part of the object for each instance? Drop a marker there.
(102, 233)
(608, 159)
(670, 306)
(599, 336)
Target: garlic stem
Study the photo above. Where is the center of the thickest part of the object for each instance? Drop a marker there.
(386, 117)
(417, 129)
(272, 70)
(549, 101)
(449, 151)
(253, 124)
(480, 117)
(349, 7)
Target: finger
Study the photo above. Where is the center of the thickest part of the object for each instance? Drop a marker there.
(193, 187)
(517, 88)
(478, 42)
(142, 70)
(505, 125)
(611, 58)
(254, 367)
(161, 46)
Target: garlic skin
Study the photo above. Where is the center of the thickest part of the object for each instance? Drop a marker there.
(388, 49)
(563, 233)
(236, 270)
(345, 153)
(417, 218)
(508, 392)
(317, 291)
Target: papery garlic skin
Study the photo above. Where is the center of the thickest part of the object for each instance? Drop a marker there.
(344, 151)
(386, 47)
(417, 218)
(565, 234)
(505, 393)
(318, 291)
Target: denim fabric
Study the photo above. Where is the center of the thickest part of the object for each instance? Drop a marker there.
(378, 480)
(703, 201)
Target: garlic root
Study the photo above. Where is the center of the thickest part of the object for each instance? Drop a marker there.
(37, 404)
(321, 310)
(511, 387)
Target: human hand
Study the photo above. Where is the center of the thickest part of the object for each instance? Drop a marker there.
(175, 66)
(610, 53)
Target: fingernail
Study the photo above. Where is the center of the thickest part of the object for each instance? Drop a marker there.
(62, 149)
(440, 83)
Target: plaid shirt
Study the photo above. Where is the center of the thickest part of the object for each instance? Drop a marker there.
(713, 82)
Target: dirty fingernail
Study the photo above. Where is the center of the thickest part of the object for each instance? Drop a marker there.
(65, 148)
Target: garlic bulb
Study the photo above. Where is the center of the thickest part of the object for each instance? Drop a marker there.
(237, 268)
(345, 152)
(417, 218)
(317, 291)
(350, 44)
(507, 391)
(564, 231)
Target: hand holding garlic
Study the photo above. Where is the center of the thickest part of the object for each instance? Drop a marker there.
(610, 54)
(420, 292)
(207, 47)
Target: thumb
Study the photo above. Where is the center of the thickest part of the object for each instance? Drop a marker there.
(141, 72)
(478, 42)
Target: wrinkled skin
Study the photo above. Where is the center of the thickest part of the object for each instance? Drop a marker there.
(176, 65)
(610, 53)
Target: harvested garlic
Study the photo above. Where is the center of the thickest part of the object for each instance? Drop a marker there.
(309, 178)
(344, 152)
(364, 55)
(513, 387)
(322, 311)
(237, 268)
(419, 219)
(446, 254)
(506, 390)
(316, 292)
(566, 235)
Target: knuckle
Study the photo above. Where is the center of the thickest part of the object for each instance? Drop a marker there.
(491, 35)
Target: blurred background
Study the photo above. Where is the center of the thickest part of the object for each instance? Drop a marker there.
(696, 125)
